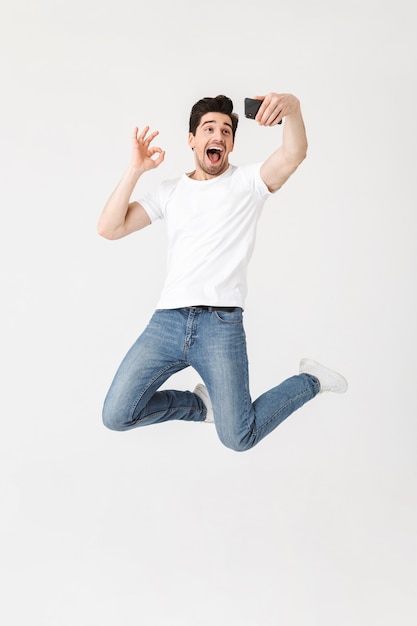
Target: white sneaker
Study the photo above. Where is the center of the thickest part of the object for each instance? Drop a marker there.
(202, 393)
(329, 380)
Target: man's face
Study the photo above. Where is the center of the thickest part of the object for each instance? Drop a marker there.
(212, 144)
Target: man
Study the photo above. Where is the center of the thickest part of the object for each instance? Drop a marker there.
(211, 216)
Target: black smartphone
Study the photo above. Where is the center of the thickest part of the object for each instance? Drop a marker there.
(252, 106)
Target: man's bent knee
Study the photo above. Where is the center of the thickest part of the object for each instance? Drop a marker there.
(235, 444)
(114, 420)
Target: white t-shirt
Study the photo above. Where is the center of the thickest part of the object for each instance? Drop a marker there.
(211, 235)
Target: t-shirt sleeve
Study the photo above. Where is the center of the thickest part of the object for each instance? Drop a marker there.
(151, 202)
(251, 175)
(155, 201)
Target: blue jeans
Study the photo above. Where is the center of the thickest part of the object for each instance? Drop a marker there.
(214, 344)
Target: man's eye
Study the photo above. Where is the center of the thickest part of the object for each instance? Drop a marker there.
(226, 131)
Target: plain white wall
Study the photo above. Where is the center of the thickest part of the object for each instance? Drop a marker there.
(316, 526)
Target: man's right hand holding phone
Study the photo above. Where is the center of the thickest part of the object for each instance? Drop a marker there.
(275, 107)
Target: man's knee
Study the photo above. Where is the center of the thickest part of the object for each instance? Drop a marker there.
(112, 424)
(237, 444)
(113, 419)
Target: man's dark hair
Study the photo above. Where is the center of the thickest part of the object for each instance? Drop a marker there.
(219, 104)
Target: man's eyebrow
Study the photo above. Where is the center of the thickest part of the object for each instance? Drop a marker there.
(215, 122)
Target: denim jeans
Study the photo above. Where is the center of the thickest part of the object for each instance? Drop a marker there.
(214, 344)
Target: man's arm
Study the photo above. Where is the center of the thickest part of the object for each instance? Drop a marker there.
(119, 216)
(284, 161)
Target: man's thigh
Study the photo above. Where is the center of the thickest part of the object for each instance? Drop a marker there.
(157, 354)
(220, 357)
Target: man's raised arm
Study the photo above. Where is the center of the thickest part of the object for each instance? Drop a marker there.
(284, 161)
(119, 216)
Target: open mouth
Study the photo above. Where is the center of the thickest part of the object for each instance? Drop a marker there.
(214, 154)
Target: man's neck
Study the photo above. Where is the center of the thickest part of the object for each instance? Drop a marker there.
(200, 174)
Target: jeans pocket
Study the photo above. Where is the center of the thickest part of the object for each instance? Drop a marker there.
(230, 317)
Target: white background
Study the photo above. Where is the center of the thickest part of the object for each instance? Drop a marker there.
(316, 526)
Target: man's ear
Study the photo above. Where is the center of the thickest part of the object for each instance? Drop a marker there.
(191, 140)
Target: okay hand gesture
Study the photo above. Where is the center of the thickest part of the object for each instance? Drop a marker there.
(143, 155)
